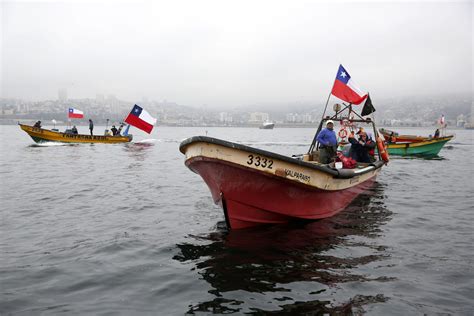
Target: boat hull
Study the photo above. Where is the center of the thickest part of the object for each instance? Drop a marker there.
(251, 198)
(41, 135)
(427, 148)
(253, 195)
(267, 126)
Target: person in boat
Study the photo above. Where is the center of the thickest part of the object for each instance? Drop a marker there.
(328, 143)
(436, 134)
(74, 129)
(362, 148)
(119, 131)
(37, 124)
(371, 141)
(91, 125)
(392, 138)
(114, 130)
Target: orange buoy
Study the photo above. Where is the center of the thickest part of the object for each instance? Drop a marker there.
(382, 149)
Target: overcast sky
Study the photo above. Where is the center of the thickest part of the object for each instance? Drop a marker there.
(234, 53)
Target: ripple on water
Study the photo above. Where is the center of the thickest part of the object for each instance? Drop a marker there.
(128, 229)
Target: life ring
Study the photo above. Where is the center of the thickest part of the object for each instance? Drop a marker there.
(382, 149)
(342, 133)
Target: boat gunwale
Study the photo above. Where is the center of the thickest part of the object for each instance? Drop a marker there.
(336, 173)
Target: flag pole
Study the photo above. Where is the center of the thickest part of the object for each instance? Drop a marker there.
(311, 147)
(125, 133)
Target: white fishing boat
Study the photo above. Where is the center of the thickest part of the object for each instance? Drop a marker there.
(267, 125)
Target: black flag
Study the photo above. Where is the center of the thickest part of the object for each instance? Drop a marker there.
(368, 107)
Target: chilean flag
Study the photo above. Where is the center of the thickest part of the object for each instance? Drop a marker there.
(141, 119)
(345, 89)
(442, 120)
(75, 113)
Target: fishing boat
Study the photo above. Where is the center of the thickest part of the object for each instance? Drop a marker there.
(138, 118)
(41, 135)
(396, 137)
(426, 148)
(256, 186)
(267, 125)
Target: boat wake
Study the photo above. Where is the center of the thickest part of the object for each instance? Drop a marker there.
(148, 141)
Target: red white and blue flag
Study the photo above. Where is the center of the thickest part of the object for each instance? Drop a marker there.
(141, 119)
(345, 89)
(75, 113)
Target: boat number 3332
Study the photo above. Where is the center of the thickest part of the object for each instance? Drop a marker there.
(259, 161)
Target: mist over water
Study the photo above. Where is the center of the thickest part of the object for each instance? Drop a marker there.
(128, 229)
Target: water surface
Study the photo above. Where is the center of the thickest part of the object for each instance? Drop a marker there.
(128, 229)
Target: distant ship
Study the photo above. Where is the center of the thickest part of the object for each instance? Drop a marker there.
(267, 125)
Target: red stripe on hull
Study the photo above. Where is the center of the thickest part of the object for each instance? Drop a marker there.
(254, 198)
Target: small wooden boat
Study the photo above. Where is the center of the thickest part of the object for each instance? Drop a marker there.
(394, 137)
(427, 148)
(256, 186)
(41, 135)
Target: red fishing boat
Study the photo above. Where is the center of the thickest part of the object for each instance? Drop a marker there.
(256, 187)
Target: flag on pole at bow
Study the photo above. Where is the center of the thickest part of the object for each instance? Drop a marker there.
(345, 89)
(75, 113)
(141, 119)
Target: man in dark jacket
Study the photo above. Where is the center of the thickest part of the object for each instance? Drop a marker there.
(361, 148)
(91, 125)
(114, 130)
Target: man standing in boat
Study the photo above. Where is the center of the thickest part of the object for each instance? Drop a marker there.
(327, 143)
(91, 125)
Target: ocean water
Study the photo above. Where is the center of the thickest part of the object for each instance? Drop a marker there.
(127, 229)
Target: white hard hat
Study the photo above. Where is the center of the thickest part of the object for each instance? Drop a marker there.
(329, 121)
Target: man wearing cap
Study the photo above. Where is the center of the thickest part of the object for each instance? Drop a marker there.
(327, 143)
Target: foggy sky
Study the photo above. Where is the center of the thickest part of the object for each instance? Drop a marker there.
(233, 53)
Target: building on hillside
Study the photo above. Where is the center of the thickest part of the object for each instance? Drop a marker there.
(258, 117)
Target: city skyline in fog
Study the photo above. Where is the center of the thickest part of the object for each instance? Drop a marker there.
(231, 54)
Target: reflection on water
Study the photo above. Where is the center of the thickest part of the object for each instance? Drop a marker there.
(271, 259)
(51, 144)
(138, 151)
